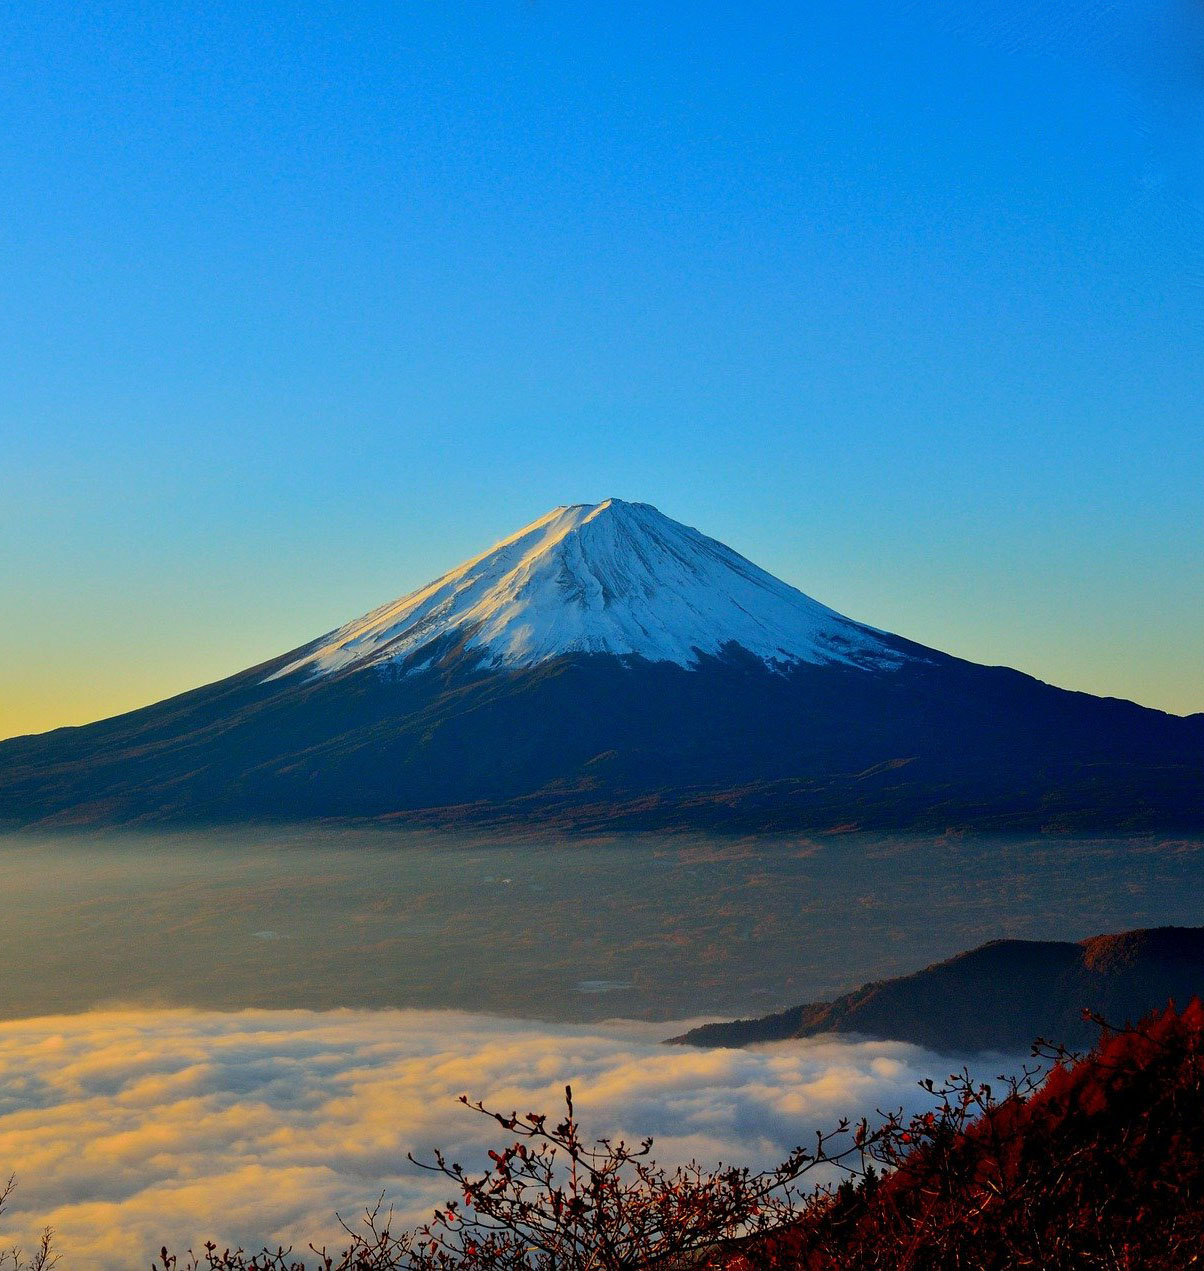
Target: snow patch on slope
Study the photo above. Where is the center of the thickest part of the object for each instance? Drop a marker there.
(613, 577)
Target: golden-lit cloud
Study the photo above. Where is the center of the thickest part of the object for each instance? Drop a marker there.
(131, 1129)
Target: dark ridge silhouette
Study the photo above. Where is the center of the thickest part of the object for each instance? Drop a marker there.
(999, 996)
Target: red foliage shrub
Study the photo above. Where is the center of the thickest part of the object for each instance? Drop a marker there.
(1100, 1163)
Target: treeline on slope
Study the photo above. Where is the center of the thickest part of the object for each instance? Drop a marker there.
(1097, 1161)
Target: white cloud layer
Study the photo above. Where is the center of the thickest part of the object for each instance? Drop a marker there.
(132, 1129)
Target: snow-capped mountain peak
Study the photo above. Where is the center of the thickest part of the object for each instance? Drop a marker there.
(614, 578)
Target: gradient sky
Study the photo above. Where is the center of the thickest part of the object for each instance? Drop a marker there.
(301, 305)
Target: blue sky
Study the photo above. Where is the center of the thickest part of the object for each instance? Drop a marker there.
(302, 304)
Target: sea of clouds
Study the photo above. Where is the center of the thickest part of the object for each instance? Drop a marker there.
(131, 1129)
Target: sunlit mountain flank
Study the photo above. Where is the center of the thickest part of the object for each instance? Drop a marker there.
(613, 577)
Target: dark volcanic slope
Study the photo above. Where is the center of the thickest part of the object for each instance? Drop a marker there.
(597, 742)
(1000, 996)
(590, 742)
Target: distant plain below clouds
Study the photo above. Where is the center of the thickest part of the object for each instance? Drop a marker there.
(131, 1129)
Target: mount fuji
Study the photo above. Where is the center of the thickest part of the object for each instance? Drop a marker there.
(609, 578)
(605, 668)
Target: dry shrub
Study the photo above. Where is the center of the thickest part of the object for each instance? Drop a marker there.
(1081, 1162)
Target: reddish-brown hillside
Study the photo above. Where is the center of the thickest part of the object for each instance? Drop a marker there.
(1102, 1166)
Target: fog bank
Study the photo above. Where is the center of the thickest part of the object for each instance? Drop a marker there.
(129, 1129)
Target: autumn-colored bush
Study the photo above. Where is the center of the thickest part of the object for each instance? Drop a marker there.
(1090, 1162)
(552, 1200)
(43, 1257)
(1100, 1165)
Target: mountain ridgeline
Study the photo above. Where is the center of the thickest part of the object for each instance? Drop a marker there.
(1000, 996)
(607, 668)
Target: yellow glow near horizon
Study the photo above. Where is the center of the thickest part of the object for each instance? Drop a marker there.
(76, 687)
